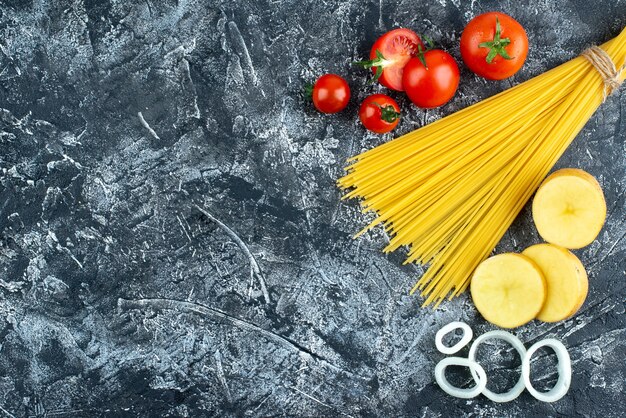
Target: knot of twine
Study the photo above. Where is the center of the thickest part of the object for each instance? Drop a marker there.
(606, 67)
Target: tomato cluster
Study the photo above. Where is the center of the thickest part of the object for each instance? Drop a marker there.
(493, 45)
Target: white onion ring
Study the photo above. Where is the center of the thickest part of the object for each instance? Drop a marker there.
(564, 367)
(466, 338)
(516, 390)
(440, 377)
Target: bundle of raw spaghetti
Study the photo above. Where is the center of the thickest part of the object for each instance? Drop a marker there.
(450, 190)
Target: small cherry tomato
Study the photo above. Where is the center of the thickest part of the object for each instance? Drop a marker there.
(379, 113)
(431, 79)
(494, 45)
(389, 55)
(330, 93)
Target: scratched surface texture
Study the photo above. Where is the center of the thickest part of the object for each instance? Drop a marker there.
(172, 242)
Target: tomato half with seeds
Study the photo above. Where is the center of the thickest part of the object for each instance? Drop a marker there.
(379, 113)
(431, 79)
(494, 45)
(330, 93)
(389, 54)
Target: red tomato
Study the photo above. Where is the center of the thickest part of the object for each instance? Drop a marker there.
(389, 55)
(433, 84)
(379, 113)
(330, 93)
(494, 45)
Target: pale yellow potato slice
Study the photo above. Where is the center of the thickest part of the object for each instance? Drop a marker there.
(569, 208)
(584, 287)
(508, 289)
(566, 280)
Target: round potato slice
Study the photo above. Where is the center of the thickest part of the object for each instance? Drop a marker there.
(566, 280)
(569, 208)
(508, 289)
(584, 289)
(584, 285)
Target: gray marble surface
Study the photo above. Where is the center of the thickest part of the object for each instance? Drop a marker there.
(118, 297)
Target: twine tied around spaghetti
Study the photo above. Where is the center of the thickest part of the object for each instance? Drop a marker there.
(605, 67)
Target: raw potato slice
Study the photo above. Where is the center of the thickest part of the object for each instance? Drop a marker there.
(566, 279)
(508, 290)
(584, 289)
(569, 208)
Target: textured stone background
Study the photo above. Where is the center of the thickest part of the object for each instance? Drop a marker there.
(119, 298)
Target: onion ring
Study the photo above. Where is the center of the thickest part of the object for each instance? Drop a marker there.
(440, 377)
(516, 390)
(564, 367)
(466, 338)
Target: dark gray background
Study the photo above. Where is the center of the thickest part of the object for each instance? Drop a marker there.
(118, 298)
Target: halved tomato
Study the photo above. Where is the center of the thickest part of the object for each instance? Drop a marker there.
(389, 55)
